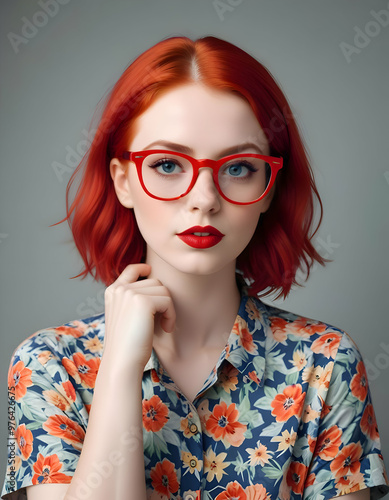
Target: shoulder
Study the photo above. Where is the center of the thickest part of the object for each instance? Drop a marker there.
(285, 325)
(55, 342)
(292, 332)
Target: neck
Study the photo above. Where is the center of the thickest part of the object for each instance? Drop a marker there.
(206, 307)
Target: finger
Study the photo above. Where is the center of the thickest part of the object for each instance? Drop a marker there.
(145, 283)
(168, 318)
(132, 272)
(162, 305)
(157, 291)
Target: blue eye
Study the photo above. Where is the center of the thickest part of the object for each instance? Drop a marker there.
(235, 170)
(166, 166)
(239, 169)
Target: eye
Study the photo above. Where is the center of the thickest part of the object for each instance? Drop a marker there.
(166, 166)
(239, 169)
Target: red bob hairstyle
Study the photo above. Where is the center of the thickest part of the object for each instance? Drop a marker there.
(106, 233)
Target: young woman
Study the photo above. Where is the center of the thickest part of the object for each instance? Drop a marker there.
(196, 196)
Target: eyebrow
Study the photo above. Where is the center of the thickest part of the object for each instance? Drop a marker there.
(189, 151)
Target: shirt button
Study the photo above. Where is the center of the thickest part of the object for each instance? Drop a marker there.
(193, 430)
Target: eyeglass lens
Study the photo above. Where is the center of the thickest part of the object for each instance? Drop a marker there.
(242, 179)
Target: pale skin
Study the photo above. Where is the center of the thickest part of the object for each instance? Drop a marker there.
(161, 311)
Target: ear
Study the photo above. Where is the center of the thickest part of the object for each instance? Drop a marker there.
(120, 177)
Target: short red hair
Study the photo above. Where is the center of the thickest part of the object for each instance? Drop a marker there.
(106, 233)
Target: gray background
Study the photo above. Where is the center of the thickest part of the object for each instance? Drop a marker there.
(52, 84)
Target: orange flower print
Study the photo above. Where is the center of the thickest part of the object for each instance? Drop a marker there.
(311, 479)
(164, 478)
(359, 384)
(234, 491)
(69, 390)
(19, 378)
(154, 376)
(369, 423)
(56, 399)
(155, 414)
(228, 378)
(252, 310)
(188, 426)
(309, 415)
(47, 470)
(325, 408)
(327, 344)
(328, 443)
(256, 492)
(245, 338)
(191, 462)
(286, 440)
(45, 356)
(258, 455)
(83, 370)
(295, 477)
(93, 345)
(304, 327)
(319, 377)
(75, 331)
(279, 329)
(289, 403)
(214, 465)
(204, 412)
(348, 484)
(24, 439)
(223, 424)
(347, 461)
(66, 429)
(299, 359)
(253, 375)
(311, 443)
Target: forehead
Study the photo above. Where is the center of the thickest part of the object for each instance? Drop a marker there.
(205, 119)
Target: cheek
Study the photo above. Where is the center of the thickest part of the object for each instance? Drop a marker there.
(153, 218)
(247, 221)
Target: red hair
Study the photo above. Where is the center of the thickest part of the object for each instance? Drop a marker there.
(106, 233)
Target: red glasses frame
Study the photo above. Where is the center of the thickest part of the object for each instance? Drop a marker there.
(138, 157)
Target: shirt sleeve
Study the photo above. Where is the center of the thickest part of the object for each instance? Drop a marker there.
(47, 418)
(347, 449)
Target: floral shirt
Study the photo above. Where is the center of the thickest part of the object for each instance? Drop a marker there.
(286, 413)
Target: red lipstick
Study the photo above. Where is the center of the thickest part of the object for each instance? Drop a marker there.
(201, 236)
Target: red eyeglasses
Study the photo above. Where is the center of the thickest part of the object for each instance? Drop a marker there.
(241, 178)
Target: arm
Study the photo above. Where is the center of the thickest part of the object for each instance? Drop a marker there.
(111, 462)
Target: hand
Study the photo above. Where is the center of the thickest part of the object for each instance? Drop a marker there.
(130, 309)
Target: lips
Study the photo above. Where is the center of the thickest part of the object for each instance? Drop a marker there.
(201, 237)
(202, 230)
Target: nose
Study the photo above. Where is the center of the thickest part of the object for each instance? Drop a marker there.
(204, 194)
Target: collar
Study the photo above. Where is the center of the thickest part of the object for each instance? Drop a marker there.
(247, 344)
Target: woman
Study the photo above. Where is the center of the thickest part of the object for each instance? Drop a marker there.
(196, 196)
